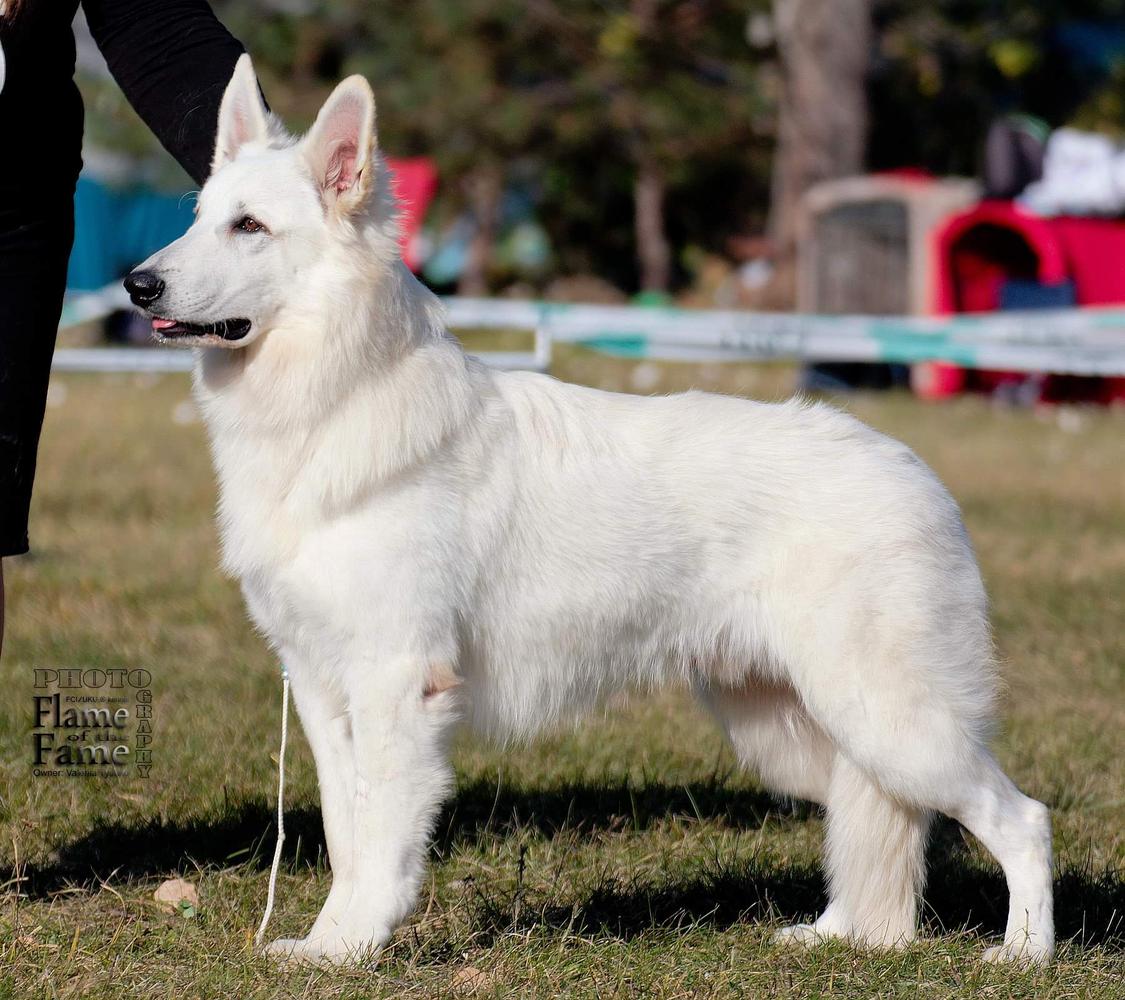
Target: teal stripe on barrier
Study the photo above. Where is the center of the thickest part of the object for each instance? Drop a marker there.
(635, 347)
(1086, 341)
(907, 350)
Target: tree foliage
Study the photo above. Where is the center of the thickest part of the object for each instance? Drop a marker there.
(942, 70)
(612, 108)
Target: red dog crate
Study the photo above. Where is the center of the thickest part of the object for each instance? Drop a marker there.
(978, 251)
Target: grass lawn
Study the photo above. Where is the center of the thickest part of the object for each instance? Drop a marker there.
(625, 857)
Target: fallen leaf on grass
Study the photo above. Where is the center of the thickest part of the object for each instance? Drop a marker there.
(471, 979)
(177, 896)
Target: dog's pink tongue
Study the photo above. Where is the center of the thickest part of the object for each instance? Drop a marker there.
(162, 324)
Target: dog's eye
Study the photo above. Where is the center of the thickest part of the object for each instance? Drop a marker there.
(248, 224)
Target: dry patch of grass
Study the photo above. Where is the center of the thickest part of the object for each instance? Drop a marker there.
(625, 857)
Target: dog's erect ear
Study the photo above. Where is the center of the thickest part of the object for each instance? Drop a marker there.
(340, 147)
(242, 115)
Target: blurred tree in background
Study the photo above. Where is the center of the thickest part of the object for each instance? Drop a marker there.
(672, 83)
(824, 51)
(943, 70)
(646, 129)
(476, 85)
(651, 89)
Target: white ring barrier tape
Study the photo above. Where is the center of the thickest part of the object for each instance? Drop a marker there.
(1081, 341)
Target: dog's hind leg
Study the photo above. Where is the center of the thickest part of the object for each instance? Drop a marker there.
(1017, 831)
(905, 753)
(875, 862)
(874, 849)
(772, 734)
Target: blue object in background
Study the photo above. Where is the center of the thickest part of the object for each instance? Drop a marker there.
(116, 228)
(1022, 293)
(1092, 46)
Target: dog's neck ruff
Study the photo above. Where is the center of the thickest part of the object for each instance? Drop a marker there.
(301, 436)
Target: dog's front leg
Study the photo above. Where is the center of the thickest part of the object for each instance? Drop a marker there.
(323, 711)
(401, 719)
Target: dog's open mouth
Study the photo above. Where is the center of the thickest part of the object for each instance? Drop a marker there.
(227, 329)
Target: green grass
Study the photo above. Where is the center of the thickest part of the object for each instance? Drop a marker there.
(626, 857)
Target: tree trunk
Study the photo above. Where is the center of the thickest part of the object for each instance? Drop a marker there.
(653, 252)
(824, 49)
(485, 187)
(654, 256)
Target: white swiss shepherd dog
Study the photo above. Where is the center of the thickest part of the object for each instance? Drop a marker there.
(427, 542)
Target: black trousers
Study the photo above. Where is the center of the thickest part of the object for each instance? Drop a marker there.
(35, 241)
(173, 59)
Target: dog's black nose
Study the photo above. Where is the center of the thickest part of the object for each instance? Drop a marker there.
(143, 287)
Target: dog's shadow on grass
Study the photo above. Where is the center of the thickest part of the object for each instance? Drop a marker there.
(961, 892)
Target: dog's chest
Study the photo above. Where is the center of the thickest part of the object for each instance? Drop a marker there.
(368, 582)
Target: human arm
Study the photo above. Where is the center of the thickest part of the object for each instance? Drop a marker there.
(173, 59)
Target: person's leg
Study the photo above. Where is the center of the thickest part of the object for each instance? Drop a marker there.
(33, 256)
(41, 122)
(34, 247)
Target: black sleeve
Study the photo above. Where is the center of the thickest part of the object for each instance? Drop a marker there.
(173, 59)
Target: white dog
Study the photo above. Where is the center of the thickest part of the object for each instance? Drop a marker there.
(426, 541)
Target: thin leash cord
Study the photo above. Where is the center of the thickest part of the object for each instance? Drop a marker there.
(280, 807)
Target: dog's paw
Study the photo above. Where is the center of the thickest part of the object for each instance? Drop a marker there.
(283, 948)
(800, 936)
(323, 951)
(1021, 952)
(827, 927)
(292, 952)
